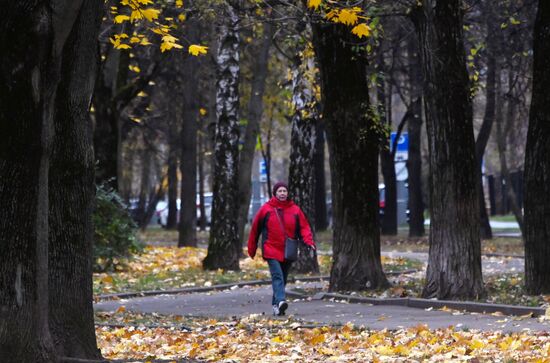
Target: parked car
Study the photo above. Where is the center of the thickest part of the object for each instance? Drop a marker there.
(162, 209)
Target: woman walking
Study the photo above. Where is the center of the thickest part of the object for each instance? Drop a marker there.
(277, 220)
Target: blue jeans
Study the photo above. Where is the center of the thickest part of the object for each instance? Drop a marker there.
(279, 274)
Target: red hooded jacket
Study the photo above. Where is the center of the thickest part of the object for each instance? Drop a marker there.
(273, 239)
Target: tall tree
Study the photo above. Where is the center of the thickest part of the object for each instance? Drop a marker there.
(414, 162)
(224, 246)
(454, 264)
(255, 107)
(189, 130)
(537, 163)
(49, 66)
(353, 139)
(301, 174)
(321, 213)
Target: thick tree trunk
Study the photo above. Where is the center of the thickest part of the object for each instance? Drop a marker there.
(353, 143)
(454, 264)
(414, 162)
(189, 129)
(301, 175)
(72, 193)
(321, 216)
(255, 106)
(224, 248)
(537, 163)
(45, 268)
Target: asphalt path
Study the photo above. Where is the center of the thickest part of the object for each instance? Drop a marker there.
(244, 301)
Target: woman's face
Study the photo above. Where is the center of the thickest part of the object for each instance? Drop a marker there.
(281, 194)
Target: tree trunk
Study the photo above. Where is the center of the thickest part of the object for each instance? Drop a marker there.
(301, 175)
(172, 220)
(353, 142)
(72, 191)
(201, 151)
(107, 132)
(488, 119)
(414, 162)
(255, 106)
(389, 221)
(189, 130)
(454, 264)
(224, 246)
(321, 216)
(45, 267)
(537, 163)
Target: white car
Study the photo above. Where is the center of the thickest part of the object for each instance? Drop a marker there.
(162, 209)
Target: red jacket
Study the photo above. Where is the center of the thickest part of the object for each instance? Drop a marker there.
(273, 239)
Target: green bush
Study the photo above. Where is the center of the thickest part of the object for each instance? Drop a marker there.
(115, 232)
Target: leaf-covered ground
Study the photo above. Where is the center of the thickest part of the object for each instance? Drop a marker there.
(163, 268)
(260, 339)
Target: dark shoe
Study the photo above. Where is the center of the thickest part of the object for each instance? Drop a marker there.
(283, 305)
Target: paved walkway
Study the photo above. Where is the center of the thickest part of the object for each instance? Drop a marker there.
(239, 302)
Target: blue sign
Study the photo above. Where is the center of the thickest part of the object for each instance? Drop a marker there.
(263, 171)
(402, 143)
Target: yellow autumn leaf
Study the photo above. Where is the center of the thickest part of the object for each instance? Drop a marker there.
(202, 111)
(121, 309)
(197, 50)
(150, 14)
(348, 17)
(123, 46)
(476, 344)
(121, 18)
(361, 30)
(164, 46)
(181, 17)
(179, 3)
(145, 41)
(135, 40)
(145, 2)
(314, 4)
(107, 279)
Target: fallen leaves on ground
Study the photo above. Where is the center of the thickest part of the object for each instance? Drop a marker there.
(258, 339)
(163, 268)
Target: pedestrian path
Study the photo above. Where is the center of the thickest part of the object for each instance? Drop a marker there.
(243, 301)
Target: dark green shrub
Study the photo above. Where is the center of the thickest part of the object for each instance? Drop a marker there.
(114, 232)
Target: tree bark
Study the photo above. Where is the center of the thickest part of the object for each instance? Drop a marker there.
(72, 191)
(301, 175)
(488, 118)
(321, 213)
(255, 106)
(353, 142)
(189, 130)
(414, 162)
(224, 248)
(389, 222)
(454, 264)
(45, 267)
(537, 163)
(172, 220)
